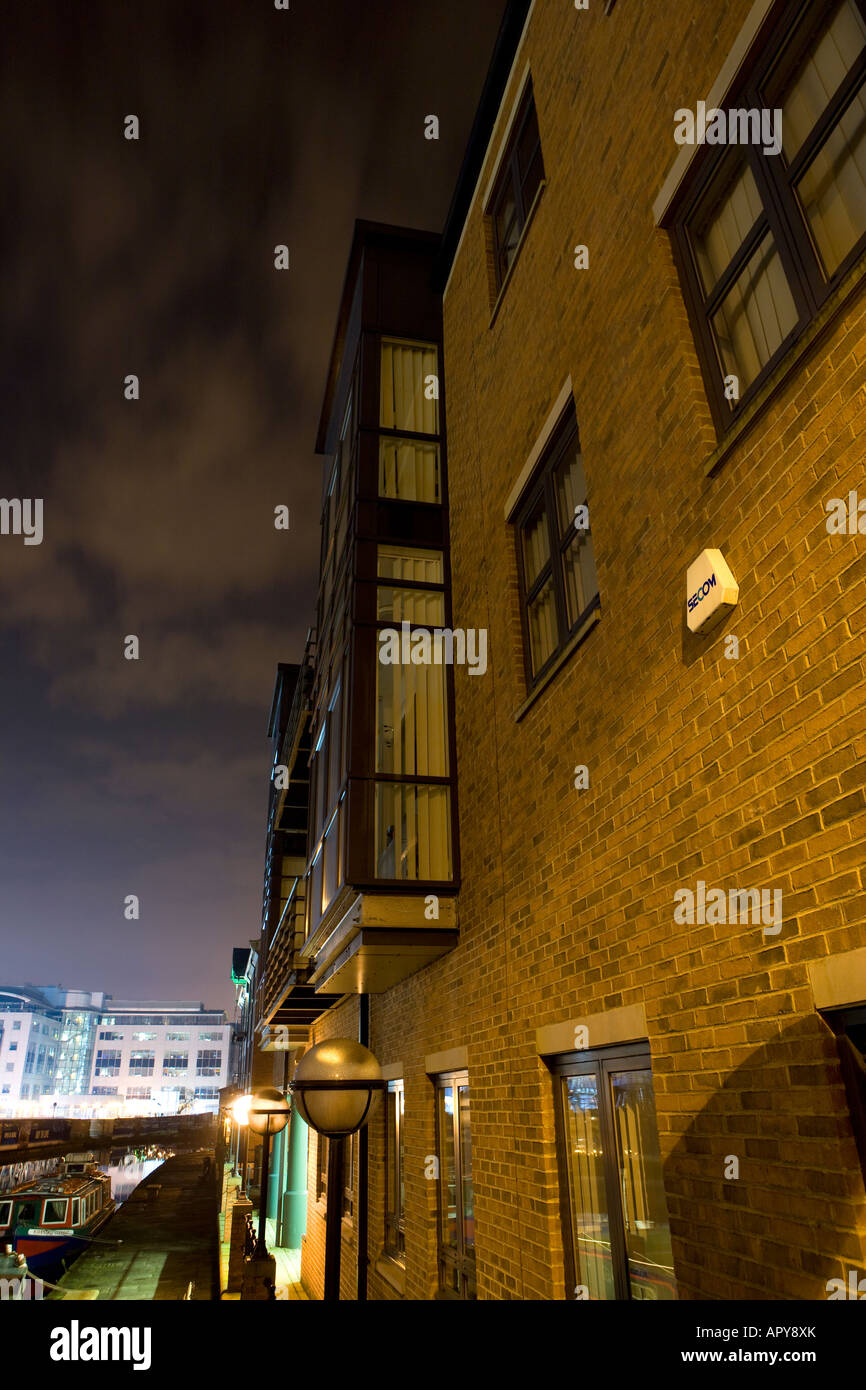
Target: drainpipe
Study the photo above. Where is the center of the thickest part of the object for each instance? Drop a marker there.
(363, 1173)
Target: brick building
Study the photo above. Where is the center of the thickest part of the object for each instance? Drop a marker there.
(636, 1076)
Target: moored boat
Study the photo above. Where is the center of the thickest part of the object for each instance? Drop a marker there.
(52, 1217)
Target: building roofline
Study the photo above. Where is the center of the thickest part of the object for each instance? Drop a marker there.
(486, 116)
(365, 234)
(286, 670)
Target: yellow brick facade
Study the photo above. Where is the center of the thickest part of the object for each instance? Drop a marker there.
(745, 772)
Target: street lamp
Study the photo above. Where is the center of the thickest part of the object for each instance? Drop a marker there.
(240, 1109)
(334, 1086)
(268, 1114)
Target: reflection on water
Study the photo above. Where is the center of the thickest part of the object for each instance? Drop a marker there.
(128, 1173)
(126, 1168)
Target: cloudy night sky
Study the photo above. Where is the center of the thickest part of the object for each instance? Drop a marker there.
(156, 257)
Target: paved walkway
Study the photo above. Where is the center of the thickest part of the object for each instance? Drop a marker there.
(288, 1279)
(163, 1243)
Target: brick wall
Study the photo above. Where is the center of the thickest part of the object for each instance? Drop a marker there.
(744, 773)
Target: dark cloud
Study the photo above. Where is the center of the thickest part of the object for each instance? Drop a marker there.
(155, 257)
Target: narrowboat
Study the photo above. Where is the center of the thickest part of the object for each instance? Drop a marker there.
(50, 1218)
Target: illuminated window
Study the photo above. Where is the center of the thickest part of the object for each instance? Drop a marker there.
(395, 1226)
(456, 1223)
(617, 1238)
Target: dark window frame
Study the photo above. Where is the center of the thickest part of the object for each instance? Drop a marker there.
(598, 1062)
(760, 86)
(541, 495)
(511, 180)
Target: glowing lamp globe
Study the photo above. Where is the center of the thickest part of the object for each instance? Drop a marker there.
(240, 1108)
(336, 1086)
(269, 1111)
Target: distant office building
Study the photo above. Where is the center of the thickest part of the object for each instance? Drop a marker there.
(91, 1050)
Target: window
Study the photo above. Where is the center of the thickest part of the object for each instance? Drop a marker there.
(25, 1092)
(348, 1202)
(5, 1213)
(210, 1037)
(74, 1215)
(413, 817)
(518, 181)
(105, 1090)
(16, 1026)
(110, 1037)
(409, 464)
(54, 1211)
(617, 1238)
(7, 1091)
(762, 240)
(177, 1037)
(207, 1093)
(144, 1037)
(141, 1062)
(395, 1226)
(138, 1093)
(456, 1222)
(321, 1166)
(29, 1060)
(208, 1063)
(175, 1063)
(13, 1047)
(558, 583)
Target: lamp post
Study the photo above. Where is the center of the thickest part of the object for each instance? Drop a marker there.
(268, 1114)
(335, 1085)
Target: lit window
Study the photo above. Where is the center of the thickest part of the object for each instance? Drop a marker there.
(395, 1226)
(618, 1243)
(409, 461)
(456, 1223)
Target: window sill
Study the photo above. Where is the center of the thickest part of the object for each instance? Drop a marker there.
(517, 250)
(393, 1274)
(571, 645)
(814, 332)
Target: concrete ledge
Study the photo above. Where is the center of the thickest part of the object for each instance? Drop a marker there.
(839, 980)
(455, 1059)
(614, 1026)
(393, 1071)
(392, 1273)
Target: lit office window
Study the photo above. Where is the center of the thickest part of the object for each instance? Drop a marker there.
(142, 1062)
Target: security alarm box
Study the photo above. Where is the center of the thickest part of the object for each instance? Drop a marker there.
(711, 591)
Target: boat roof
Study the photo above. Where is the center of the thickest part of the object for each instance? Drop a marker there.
(63, 1186)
